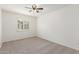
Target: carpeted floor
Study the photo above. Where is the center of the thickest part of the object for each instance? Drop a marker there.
(34, 45)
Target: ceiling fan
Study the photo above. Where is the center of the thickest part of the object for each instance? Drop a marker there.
(35, 8)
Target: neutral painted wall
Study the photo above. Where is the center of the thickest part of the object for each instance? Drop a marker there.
(61, 26)
(0, 27)
(9, 25)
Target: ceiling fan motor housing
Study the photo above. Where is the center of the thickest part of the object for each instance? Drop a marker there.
(34, 6)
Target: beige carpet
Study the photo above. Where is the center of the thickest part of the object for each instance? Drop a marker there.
(34, 45)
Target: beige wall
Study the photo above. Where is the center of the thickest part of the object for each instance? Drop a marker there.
(9, 25)
(0, 27)
(61, 26)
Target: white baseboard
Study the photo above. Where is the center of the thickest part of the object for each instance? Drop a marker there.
(58, 42)
(17, 39)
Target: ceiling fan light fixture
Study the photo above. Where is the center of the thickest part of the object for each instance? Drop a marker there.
(37, 11)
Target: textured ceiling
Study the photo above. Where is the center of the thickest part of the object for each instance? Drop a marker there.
(20, 8)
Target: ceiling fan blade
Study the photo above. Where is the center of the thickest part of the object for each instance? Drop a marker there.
(39, 8)
(30, 10)
(28, 7)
